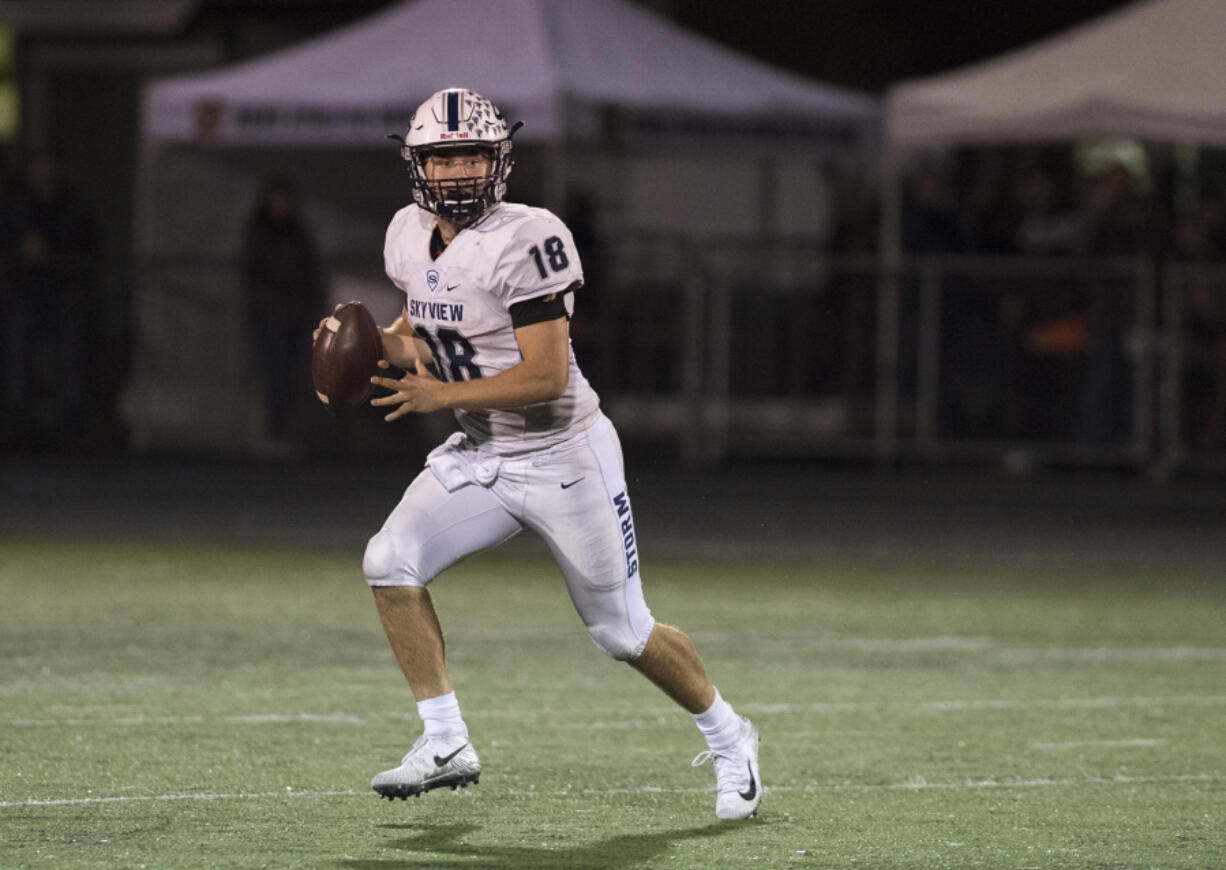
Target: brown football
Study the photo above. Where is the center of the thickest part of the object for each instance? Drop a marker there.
(344, 357)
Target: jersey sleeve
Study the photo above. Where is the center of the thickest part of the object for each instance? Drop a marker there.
(538, 259)
(395, 245)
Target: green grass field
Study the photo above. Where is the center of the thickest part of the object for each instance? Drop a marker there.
(191, 706)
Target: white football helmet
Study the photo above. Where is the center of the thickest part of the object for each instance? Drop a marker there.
(457, 118)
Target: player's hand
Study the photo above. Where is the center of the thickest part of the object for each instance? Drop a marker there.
(421, 392)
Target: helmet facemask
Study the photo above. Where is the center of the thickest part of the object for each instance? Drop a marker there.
(459, 201)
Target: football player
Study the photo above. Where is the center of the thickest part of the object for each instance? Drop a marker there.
(489, 290)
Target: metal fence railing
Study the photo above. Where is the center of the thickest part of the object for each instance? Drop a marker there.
(751, 349)
(778, 348)
(1191, 392)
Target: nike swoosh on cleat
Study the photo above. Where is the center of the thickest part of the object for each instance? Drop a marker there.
(569, 485)
(746, 795)
(439, 762)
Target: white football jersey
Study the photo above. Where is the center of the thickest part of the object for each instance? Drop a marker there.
(460, 305)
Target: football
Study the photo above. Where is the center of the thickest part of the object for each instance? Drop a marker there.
(345, 355)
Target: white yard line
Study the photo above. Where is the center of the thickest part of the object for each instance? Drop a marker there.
(1075, 703)
(976, 645)
(281, 718)
(1079, 744)
(917, 783)
(1115, 654)
(650, 717)
(288, 793)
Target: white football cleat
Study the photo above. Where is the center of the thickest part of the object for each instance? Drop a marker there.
(736, 775)
(433, 762)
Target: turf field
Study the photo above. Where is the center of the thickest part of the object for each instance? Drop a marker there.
(183, 705)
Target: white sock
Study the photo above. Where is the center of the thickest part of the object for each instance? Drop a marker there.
(441, 715)
(719, 723)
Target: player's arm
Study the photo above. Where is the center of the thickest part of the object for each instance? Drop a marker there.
(401, 345)
(541, 376)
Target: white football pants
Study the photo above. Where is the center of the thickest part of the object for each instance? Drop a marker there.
(573, 495)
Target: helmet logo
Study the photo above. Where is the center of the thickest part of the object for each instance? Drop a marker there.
(432, 277)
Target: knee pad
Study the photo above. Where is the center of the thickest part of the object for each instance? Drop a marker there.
(384, 566)
(617, 642)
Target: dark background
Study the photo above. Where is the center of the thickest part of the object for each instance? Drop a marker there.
(866, 44)
(91, 112)
(874, 43)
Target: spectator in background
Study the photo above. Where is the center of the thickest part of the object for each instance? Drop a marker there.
(1049, 222)
(855, 229)
(48, 259)
(968, 404)
(1114, 214)
(283, 286)
(1200, 237)
(930, 220)
(1050, 312)
(1114, 226)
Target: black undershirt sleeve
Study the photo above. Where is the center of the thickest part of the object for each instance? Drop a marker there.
(542, 308)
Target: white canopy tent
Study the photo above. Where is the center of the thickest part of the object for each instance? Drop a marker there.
(538, 59)
(578, 72)
(1153, 70)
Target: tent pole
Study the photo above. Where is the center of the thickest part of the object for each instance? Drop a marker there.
(555, 178)
(138, 399)
(885, 418)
